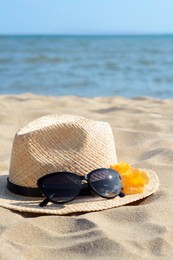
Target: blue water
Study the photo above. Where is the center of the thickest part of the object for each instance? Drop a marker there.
(88, 66)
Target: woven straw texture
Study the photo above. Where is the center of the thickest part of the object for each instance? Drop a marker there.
(87, 204)
(58, 143)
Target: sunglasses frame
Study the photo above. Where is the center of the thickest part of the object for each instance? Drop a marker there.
(86, 178)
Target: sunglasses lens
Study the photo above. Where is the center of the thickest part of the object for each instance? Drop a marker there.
(61, 187)
(106, 182)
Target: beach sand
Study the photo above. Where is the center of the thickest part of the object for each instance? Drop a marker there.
(143, 131)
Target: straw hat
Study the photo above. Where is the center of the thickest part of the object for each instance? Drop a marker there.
(57, 143)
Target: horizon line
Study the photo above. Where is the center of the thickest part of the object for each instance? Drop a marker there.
(85, 34)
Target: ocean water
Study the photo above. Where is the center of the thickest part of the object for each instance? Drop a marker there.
(89, 66)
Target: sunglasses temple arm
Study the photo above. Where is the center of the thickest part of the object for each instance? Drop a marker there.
(122, 194)
(44, 202)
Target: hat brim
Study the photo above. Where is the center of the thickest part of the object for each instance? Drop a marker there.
(85, 204)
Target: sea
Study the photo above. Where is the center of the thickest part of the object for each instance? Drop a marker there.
(87, 66)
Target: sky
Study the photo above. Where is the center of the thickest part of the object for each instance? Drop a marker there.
(86, 16)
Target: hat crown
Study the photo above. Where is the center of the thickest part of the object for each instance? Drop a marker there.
(58, 143)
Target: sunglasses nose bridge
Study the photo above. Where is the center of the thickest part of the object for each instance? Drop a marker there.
(84, 177)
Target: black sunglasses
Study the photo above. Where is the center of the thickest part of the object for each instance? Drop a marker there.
(62, 187)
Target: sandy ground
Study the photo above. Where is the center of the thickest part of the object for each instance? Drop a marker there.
(143, 131)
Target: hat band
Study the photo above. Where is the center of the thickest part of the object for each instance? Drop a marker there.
(35, 192)
(24, 191)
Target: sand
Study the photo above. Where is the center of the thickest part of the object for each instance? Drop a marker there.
(143, 131)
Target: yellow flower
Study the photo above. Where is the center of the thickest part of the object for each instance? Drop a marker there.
(133, 179)
(121, 167)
